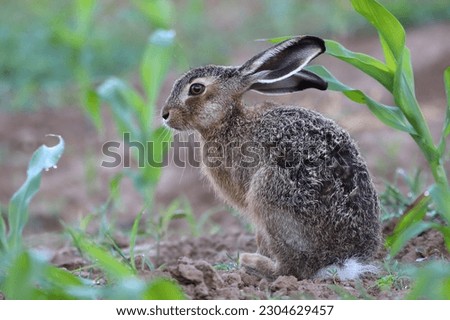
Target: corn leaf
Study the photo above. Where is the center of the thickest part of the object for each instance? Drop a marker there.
(414, 214)
(447, 92)
(389, 115)
(367, 64)
(399, 241)
(390, 30)
(440, 198)
(277, 39)
(84, 13)
(114, 91)
(163, 289)
(405, 227)
(19, 284)
(3, 234)
(388, 56)
(31, 277)
(431, 281)
(161, 138)
(405, 99)
(93, 108)
(160, 12)
(44, 158)
(56, 283)
(62, 277)
(136, 103)
(125, 289)
(112, 267)
(404, 92)
(133, 237)
(407, 69)
(445, 230)
(446, 128)
(154, 67)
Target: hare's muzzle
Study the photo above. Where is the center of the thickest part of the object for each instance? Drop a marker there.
(171, 118)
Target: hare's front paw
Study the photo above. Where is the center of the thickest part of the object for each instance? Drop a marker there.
(262, 242)
(258, 265)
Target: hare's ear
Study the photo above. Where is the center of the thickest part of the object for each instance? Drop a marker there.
(279, 68)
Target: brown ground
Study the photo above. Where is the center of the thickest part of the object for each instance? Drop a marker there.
(79, 186)
(206, 268)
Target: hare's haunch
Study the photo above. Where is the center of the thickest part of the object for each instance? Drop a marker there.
(295, 174)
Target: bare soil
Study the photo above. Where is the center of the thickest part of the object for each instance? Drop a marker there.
(200, 271)
(205, 266)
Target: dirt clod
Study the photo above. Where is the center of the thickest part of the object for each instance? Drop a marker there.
(285, 283)
(188, 274)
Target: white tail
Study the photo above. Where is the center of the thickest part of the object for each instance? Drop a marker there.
(352, 269)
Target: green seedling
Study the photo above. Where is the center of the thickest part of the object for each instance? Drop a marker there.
(43, 159)
(133, 114)
(395, 279)
(394, 202)
(25, 274)
(231, 265)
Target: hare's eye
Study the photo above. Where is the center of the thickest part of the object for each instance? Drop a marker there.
(196, 88)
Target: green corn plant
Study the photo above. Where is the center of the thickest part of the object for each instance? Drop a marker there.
(43, 159)
(121, 277)
(396, 75)
(432, 281)
(159, 12)
(134, 113)
(133, 237)
(76, 39)
(26, 274)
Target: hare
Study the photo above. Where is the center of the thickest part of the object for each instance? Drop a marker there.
(295, 174)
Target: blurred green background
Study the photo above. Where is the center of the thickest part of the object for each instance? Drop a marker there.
(40, 52)
(57, 58)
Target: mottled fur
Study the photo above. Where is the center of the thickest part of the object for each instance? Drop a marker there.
(309, 195)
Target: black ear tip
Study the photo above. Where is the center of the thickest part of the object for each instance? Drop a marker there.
(313, 40)
(311, 80)
(319, 84)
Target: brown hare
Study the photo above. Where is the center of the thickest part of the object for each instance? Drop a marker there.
(295, 174)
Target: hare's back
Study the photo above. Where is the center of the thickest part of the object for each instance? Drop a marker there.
(317, 159)
(299, 134)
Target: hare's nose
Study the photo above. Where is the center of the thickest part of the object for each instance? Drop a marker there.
(165, 115)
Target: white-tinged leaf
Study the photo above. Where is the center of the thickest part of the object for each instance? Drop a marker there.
(44, 158)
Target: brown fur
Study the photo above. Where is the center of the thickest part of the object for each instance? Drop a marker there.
(309, 196)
